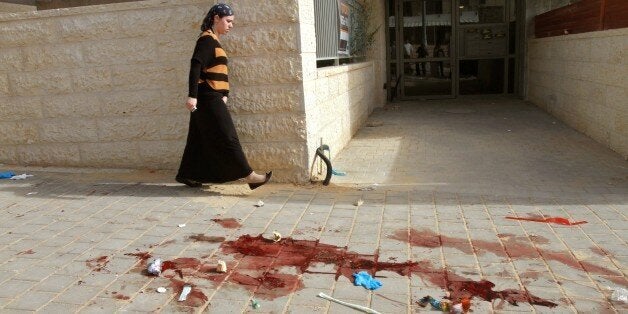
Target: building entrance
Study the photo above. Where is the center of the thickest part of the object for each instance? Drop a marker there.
(447, 48)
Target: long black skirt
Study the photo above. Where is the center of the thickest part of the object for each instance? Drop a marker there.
(213, 153)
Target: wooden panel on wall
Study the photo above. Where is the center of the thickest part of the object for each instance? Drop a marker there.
(616, 14)
(580, 17)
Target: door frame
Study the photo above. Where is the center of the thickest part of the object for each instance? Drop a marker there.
(400, 60)
(395, 88)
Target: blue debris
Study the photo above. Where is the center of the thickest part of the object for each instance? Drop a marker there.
(6, 174)
(365, 280)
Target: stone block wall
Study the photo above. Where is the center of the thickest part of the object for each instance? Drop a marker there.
(583, 80)
(344, 96)
(104, 86)
(339, 99)
(16, 7)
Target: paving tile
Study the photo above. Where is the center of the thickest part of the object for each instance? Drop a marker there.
(56, 307)
(78, 294)
(56, 283)
(13, 288)
(460, 188)
(30, 301)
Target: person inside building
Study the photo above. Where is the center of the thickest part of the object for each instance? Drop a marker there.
(213, 153)
(420, 66)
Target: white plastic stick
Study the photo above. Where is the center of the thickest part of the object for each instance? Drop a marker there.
(184, 293)
(351, 305)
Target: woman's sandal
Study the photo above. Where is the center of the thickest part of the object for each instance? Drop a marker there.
(254, 186)
(189, 182)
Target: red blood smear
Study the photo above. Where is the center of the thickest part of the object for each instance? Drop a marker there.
(142, 256)
(195, 298)
(556, 220)
(306, 253)
(229, 223)
(26, 252)
(97, 264)
(261, 260)
(513, 247)
(598, 251)
(121, 297)
(162, 244)
(203, 238)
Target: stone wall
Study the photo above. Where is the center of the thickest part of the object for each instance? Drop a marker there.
(344, 97)
(583, 80)
(339, 99)
(16, 7)
(104, 86)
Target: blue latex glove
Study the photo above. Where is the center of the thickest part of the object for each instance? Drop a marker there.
(365, 280)
(6, 174)
(338, 172)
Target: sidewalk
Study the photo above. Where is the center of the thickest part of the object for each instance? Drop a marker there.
(424, 206)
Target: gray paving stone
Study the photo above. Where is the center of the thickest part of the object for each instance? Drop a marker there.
(56, 307)
(461, 188)
(55, 283)
(31, 301)
(78, 294)
(13, 288)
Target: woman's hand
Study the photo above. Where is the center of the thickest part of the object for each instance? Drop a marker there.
(224, 99)
(191, 104)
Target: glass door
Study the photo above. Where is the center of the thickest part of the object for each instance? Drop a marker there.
(447, 48)
(486, 46)
(421, 51)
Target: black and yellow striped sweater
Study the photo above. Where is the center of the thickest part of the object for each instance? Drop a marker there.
(208, 67)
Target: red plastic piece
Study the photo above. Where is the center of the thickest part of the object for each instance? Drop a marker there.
(556, 220)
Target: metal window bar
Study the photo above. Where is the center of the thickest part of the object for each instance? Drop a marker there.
(327, 28)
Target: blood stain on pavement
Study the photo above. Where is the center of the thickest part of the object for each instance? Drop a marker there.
(555, 220)
(195, 298)
(119, 296)
(98, 263)
(514, 247)
(229, 223)
(261, 261)
(204, 238)
(141, 256)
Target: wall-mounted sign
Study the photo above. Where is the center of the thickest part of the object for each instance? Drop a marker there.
(345, 20)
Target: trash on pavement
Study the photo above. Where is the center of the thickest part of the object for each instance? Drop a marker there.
(184, 293)
(161, 290)
(347, 304)
(358, 202)
(21, 176)
(276, 236)
(620, 295)
(181, 225)
(457, 309)
(365, 280)
(6, 174)
(556, 220)
(466, 304)
(154, 268)
(260, 203)
(221, 267)
(367, 188)
(255, 304)
(338, 173)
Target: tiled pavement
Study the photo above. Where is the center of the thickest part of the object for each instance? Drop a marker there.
(447, 175)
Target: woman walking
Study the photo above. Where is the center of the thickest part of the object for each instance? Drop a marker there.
(213, 153)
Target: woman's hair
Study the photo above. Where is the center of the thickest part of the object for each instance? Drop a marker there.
(219, 9)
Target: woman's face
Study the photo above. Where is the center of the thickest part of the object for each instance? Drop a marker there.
(222, 25)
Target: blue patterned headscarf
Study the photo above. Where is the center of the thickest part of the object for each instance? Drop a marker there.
(219, 9)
